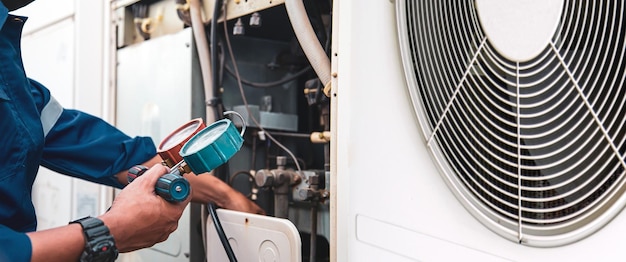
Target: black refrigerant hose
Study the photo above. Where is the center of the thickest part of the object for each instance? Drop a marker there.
(221, 234)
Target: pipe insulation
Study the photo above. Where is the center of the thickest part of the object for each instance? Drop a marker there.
(308, 40)
(202, 46)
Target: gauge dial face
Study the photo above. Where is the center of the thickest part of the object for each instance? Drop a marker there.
(180, 136)
(205, 138)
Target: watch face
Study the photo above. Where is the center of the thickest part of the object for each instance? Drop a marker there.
(102, 247)
(103, 250)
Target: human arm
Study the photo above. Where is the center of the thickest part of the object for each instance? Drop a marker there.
(65, 141)
(208, 188)
(137, 219)
(57, 244)
(87, 147)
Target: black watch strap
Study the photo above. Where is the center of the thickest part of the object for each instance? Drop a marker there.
(99, 244)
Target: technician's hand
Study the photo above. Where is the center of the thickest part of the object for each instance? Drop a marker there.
(239, 202)
(208, 188)
(139, 218)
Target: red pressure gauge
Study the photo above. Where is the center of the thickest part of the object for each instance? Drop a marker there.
(170, 146)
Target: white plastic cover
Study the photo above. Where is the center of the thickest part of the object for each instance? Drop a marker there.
(254, 238)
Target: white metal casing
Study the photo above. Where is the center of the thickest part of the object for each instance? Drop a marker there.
(153, 99)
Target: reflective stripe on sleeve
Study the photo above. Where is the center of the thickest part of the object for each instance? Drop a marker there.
(50, 114)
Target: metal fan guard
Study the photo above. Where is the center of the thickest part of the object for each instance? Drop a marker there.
(535, 150)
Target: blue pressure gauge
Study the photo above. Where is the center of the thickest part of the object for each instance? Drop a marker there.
(213, 145)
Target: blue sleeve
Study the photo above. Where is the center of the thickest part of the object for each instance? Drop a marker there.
(87, 147)
(84, 146)
(14, 246)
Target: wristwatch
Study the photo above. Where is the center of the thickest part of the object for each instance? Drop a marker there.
(99, 244)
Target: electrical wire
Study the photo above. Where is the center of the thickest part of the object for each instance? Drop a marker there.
(245, 101)
(220, 233)
(276, 83)
(298, 135)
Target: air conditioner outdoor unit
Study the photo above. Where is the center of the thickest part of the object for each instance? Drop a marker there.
(479, 130)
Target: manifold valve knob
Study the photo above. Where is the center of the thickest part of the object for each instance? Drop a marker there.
(264, 178)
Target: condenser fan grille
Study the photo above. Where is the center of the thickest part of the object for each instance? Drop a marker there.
(535, 149)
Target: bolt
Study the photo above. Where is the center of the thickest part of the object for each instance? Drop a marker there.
(238, 28)
(255, 19)
(314, 180)
(281, 160)
(305, 194)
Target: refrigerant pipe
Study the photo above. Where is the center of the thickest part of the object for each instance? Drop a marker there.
(308, 40)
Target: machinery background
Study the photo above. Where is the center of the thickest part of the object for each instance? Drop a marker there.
(390, 203)
(159, 85)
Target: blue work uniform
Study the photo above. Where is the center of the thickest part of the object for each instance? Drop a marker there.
(35, 130)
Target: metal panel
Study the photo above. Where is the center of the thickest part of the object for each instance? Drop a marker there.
(154, 94)
(45, 13)
(52, 64)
